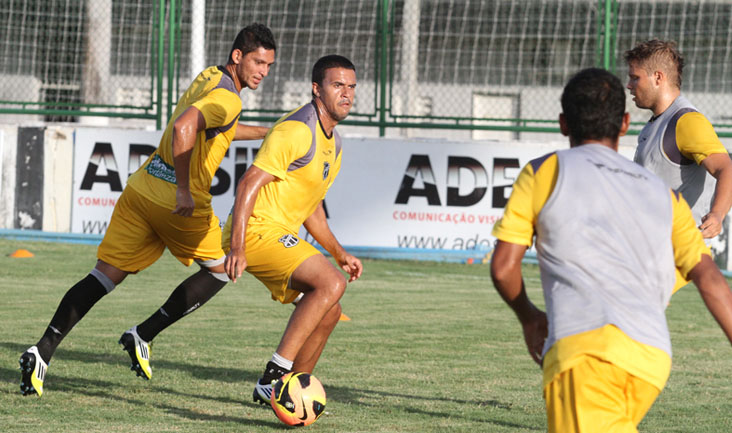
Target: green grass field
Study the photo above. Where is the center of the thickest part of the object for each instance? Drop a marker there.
(430, 348)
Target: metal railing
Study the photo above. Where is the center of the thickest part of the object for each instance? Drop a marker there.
(480, 65)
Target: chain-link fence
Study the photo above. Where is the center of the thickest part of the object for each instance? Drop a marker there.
(471, 65)
(62, 59)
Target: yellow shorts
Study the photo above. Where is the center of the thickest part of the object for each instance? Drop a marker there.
(597, 396)
(273, 254)
(140, 230)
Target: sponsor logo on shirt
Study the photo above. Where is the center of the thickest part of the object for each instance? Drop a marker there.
(160, 169)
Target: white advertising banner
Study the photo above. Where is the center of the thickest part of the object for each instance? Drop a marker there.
(389, 193)
(424, 194)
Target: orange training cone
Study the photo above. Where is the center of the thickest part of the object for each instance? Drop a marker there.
(21, 253)
(344, 318)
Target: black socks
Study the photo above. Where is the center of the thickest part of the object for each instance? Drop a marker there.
(186, 298)
(74, 305)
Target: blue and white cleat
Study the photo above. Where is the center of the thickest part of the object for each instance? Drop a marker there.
(139, 351)
(33, 371)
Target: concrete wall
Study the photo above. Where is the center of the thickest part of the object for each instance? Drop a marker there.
(36, 177)
(58, 178)
(8, 148)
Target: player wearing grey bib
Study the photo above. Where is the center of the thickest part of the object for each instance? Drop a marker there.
(678, 143)
(609, 234)
(600, 178)
(658, 151)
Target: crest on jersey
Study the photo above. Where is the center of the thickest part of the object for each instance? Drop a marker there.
(326, 170)
(289, 240)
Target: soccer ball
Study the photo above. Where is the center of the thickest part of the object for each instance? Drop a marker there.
(298, 399)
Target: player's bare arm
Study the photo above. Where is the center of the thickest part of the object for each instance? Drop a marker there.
(718, 165)
(185, 129)
(317, 226)
(506, 275)
(246, 195)
(250, 132)
(715, 292)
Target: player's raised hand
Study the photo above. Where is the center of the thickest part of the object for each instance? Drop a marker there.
(183, 203)
(235, 263)
(711, 225)
(351, 265)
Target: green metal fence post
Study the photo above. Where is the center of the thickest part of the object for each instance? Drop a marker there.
(179, 49)
(383, 30)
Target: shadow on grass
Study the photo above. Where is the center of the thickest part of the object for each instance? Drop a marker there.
(356, 396)
(106, 390)
(222, 374)
(346, 395)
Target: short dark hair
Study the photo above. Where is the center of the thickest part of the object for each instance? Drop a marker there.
(658, 55)
(252, 37)
(327, 62)
(593, 103)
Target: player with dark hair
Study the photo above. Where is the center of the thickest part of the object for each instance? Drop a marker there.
(609, 234)
(328, 62)
(167, 203)
(283, 190)
(253, 37)
(678, 143)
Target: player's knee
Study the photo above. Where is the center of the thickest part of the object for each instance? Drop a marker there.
(336, 287)
(340, 284)
(103, 279)
(220, 276)
(329, 289)
(215, 268)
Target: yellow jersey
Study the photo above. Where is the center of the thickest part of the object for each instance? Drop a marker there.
(304, 161)
(213, 93)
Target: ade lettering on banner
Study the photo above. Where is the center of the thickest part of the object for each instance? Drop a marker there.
(420, 165)
(425, 194)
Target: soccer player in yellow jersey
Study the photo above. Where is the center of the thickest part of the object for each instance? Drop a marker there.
(679, 144)
(167, 203)
(608, 236)
(282, 190)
